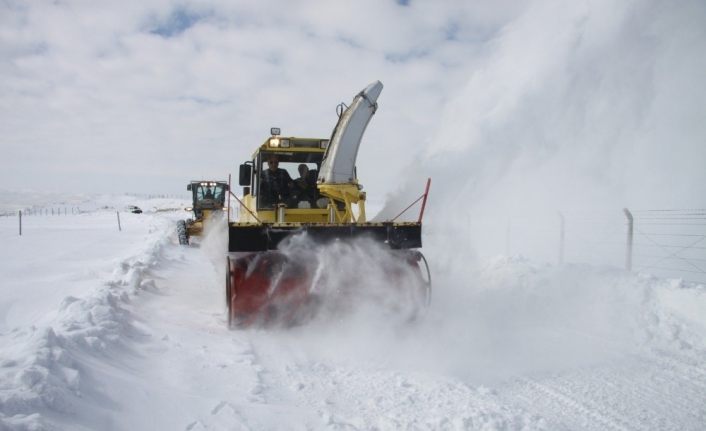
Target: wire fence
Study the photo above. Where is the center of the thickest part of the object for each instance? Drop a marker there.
(159, 196)
(53, 211)
(669, 243)
(60, 209)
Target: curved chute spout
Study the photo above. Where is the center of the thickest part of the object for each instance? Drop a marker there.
(338, 166)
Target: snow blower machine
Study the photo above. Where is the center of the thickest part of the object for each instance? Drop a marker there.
(324, 204)
(208, 199)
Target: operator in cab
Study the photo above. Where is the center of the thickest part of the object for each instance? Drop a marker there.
(305, 190)
(275, 183)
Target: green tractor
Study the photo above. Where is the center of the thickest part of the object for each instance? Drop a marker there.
(208, 197)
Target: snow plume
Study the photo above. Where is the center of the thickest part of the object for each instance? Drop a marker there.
(215, 240)
(507, 318)
(487, 324)
(517, 320)
(359, 282)
(602, 109)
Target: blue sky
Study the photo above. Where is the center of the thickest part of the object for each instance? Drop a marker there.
(177, 22)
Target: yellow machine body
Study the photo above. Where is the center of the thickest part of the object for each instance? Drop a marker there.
(262, 284)
(208, 198)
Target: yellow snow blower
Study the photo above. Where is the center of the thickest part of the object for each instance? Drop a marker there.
(299, 186)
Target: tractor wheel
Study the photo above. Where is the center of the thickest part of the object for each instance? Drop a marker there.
(182, 233)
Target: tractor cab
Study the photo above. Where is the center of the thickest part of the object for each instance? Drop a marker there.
(208, 198)
(207, 195)
(282, 177)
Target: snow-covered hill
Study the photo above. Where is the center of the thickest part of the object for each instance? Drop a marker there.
(107, 329)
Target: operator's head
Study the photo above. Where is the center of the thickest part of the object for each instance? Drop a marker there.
(303, 170)
(272, 162)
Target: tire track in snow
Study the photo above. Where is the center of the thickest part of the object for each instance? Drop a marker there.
(692, 365)
(353, 395)
(637, 393)
(216, 367)
(576, 412)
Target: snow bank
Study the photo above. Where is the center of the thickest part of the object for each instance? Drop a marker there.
(677, 312)
(43, 368)
(513, 317)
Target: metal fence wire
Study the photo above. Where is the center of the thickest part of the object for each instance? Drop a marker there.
(668, 243)
(671, 242)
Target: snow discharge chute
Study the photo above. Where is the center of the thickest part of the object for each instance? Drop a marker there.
(338, 166)
(267, 280)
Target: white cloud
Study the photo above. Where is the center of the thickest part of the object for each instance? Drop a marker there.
(167, 91)
(93, 96)
(578, 105)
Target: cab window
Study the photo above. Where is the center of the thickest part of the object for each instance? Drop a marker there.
(280, 184)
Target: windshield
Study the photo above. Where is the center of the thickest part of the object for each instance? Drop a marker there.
(288, 178)
(215, 192)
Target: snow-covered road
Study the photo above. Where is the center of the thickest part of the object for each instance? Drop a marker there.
(518, 346)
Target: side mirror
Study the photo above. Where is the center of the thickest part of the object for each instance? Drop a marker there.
(188, 187)
(245, 174)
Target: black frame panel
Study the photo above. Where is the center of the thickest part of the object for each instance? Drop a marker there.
(243, 238)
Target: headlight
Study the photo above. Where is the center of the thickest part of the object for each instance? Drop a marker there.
(284, 143)
(274, 142)
(225, 208)
(188, 209)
